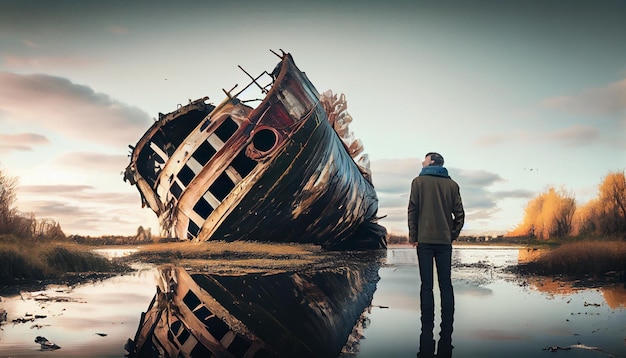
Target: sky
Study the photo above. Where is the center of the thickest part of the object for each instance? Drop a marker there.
(518, 96)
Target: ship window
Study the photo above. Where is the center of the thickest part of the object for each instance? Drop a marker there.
(183, 336)
(264, 140)
(239, 346)
(242, 164)
(179, 129)
(204, 153)
(226, 129)
(178, 330)
(191, 300)
(203, 208)
(176, 190)
(170, 337)
(192, 230)
(222, 187)
(176, 327)
(186, 175)
(217, 327)
(203, 313)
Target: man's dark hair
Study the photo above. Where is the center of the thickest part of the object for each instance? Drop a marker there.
(436, 158)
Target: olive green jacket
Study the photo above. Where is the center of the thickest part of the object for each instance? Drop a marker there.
(436, 214)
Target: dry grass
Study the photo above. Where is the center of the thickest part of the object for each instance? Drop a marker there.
(222, 248)
(27, 262)
(583, 258)
(236, 257)
(245, 266)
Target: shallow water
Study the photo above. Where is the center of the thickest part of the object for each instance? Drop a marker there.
(497, 315)
(75, 316)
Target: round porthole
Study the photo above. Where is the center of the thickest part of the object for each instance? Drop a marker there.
(264, 140)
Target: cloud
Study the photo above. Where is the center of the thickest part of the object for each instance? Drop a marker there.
(475, 185)
(73, 110)
(393, 176)
(609, 101)
(573, 136)
(606, 106)
(392, 179)
(45, 62)
(516, 194)
(117, 30)
(85, 210)
(83, 193)
(21, 142)
(115, 219)
(104, 163)
(30, 43)
(56, 189)
(478, 178)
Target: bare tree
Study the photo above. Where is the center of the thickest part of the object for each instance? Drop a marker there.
(7, 199)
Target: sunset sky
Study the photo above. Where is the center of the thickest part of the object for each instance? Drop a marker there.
(517, 96)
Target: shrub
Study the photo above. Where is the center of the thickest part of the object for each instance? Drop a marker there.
(15, 266)
(62, 259)
(20, 263)
(582, 258)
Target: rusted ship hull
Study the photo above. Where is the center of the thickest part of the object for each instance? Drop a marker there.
(313, 313)
(278, 172)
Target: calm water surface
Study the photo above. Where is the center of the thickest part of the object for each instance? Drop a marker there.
(497, 314)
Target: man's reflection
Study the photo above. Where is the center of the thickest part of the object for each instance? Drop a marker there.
(427, 342)
(442, 256)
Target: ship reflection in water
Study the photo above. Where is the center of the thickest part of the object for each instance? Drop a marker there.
(316, 312)
(498, 313)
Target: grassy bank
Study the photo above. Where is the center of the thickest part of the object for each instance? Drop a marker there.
(581, 259)
(235, 257)
(25, 261)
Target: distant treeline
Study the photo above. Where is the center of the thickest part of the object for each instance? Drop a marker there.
(555, 213)
(27, 228)
(143, 236)
(37, 249)
(397, 239)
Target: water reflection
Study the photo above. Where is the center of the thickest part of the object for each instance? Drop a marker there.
(614, 294)
(429, 257)
(497, 314)
(307, 313)
(90, 319)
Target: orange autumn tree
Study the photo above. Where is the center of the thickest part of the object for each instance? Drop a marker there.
(548, 216)
(605, 215)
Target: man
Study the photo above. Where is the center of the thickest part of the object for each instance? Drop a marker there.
(436, 217)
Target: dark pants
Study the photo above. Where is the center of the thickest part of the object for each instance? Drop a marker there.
(442, 256)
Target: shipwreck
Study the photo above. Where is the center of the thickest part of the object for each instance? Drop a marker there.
(287, 170)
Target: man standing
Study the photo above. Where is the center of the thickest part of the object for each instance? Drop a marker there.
(436, 217)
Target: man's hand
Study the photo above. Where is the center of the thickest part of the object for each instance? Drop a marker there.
(414, 244)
